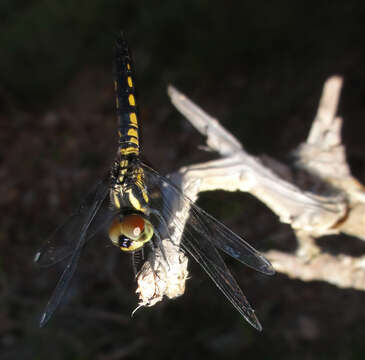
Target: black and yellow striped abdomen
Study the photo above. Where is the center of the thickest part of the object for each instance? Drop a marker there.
(126, 100)
(129, 188)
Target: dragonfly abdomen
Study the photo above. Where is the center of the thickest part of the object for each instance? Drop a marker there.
(126, 105)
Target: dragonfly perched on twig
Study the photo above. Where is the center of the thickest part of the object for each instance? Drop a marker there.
(134, 204)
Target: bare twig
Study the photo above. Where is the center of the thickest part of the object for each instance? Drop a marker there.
(342, 271)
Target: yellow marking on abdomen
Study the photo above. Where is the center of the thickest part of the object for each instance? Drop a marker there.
(128, 66)
(115, 85)
(129, 150)
(133, 119)
(131, 100)
(130, 82)
(117, 102)
(133, 140)
(133, 132)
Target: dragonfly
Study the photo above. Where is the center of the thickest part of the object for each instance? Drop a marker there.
(133, 204)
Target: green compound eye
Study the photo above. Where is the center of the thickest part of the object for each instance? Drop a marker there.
(131, 232)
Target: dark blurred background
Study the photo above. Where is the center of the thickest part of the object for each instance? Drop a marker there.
(259, 67)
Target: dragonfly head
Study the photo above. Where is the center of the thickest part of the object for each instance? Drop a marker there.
(130, 232)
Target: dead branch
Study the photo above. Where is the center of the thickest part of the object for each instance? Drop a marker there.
(337, 205)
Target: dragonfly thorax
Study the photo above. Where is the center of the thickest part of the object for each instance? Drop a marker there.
(128, 184)
(130, 232)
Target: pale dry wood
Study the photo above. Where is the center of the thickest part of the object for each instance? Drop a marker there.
(342, 271)
(239, 171)
(164, 275)
(338, 207)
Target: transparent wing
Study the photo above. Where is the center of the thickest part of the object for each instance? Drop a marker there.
(211, 261)
(169, 198)
(202, 234)
(63, 241)
(89, 209)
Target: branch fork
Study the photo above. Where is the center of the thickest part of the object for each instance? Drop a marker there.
(336, 205)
